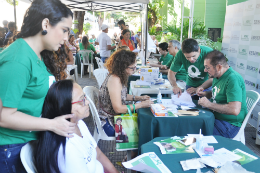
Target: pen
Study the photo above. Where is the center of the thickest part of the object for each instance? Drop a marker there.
(207, 155)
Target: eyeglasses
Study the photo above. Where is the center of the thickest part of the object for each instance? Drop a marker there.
(83, 100)
(207, 68)
(132, 68)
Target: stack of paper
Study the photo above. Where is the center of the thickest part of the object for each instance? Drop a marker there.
(191, 164)
(147, 162)
(184, 100)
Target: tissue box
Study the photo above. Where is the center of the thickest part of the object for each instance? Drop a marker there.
(209, 150)
(158, 110)
(149, 74)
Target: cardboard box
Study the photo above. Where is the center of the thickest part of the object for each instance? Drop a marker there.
(158, 110)
(149, 74)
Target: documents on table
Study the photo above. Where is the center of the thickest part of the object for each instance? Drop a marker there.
(183, 100)
(191, 164)
(147, 162)
(245, 157)
(205, 139)
(159, 110)
(173, 146)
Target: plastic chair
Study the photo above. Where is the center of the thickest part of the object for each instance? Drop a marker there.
(85, 54)
(252, 97)
(100, 75)
(100, 63)
(26, 156)
(99, 133)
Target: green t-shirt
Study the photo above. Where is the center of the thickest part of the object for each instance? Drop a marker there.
(181, 74)
(230, 87)
(165, 59)
(196, 75)
(90, 47)
(92, 40)
(24, 84)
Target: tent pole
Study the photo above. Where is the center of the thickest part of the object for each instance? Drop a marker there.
(14, 12)
(182, 16)
(146, 31)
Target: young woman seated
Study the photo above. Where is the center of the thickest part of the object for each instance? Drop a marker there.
(113, 92)
(54, 153)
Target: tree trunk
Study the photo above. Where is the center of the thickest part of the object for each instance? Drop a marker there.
(79, 16)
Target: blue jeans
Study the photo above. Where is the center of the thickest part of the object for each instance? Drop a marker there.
(10, 161)
(225, 129)
(103, 58)
(109, 130)
(195, 97)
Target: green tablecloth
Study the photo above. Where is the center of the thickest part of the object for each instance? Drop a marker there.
(134, 78)
(172, 161)
(151, 127)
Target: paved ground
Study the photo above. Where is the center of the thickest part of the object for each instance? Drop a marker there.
(108, 147)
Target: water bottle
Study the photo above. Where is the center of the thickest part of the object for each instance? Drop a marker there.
(159, 97)
(160, 76)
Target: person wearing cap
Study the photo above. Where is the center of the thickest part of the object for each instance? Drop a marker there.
(104, 42)
(137, 39)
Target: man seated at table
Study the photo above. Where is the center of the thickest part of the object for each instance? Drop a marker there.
(165, 56)
(228, 95)
(191, 56)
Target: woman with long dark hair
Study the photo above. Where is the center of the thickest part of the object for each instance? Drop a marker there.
(27, 68)
(54, 153)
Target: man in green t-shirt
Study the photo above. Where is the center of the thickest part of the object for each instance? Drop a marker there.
(173, 47)
(191, 57)
(165, 56)
(228, 95)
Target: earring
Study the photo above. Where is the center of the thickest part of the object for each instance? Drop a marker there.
(44, 32)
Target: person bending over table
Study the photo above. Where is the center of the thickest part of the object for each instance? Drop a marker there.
(165, 56)
(228, 95)
(27, 69)
(67, 155)
(113, 92)
(191, 56)
(173, 47)
(126, 41)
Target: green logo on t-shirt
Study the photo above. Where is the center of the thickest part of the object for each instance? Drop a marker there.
(194, 72)
(214, 93)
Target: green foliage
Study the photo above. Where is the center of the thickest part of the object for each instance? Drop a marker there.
(154, 7)
(205, 41)
(86, 27)
(11, 2)
(175, 32)
(75, 30)
(75, 22)
(152, 30)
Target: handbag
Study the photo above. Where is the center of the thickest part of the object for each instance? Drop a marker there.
(126, 130)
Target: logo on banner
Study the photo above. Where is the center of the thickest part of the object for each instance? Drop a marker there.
(235, 37)
(247, 23)
(242, 52)
(254, 53)
(232, 50)
(249, 8)
(249, 83)
(231, 63)
(241, 66)
(255, 38)
(245, 37)
(256, 22)
(251, 68)
(224, 48)
(237, 24)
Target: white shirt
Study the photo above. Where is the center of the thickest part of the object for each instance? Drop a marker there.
(80, 153)
(104, 40)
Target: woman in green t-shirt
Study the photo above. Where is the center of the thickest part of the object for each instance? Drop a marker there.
(27, 68)
(87, 46)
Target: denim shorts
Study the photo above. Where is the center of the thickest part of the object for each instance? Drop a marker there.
(103, 58)
(225, 129)
(109, 130)
(10, 161)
